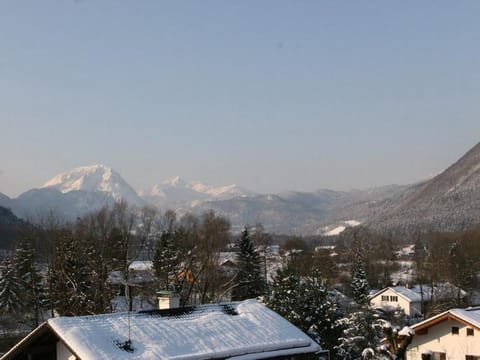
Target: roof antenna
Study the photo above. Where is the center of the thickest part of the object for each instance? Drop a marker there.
(127, 345)
(129, 305)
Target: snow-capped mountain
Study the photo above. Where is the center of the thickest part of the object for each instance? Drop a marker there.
(36, 203)
(221, 192)
(74, 193)
(177, 192)
(96, 178)
(449, 201)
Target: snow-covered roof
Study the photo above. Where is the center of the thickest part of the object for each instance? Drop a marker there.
(227, 257)
(406, 251)
(406, 293)
(414, 293)
(141, 265)
(241, 330)
(469, 315)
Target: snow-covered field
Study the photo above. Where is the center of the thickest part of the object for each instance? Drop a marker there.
(332, 230)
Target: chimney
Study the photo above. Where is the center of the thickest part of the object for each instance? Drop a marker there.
(168, 300)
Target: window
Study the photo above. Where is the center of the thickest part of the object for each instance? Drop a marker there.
(472, 357)
(455, 330)
(434, 356)
(384, 297)
(439, 356)
(470, 332)
(394, 298)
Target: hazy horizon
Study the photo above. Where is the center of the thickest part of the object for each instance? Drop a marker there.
(139, 190)
(272, 96)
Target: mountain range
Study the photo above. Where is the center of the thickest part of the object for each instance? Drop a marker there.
(448, 202)
(178, 193)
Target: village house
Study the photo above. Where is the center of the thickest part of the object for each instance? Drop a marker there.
(238, 330)
(409, 299)
(453, 334)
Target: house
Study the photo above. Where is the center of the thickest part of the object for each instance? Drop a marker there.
(139, 273)
(142, 283)
(228, 263)
(453, 334)
(409, 299)
(237, 330)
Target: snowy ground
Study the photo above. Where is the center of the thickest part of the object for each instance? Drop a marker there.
(333, 230)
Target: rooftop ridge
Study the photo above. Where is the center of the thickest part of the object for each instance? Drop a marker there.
(182, 312)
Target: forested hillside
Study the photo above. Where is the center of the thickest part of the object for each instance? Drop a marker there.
(9, 227)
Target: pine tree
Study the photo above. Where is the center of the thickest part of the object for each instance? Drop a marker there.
(305, 302)
(70, 276)
(318, 312)
(249, 279)
(284, 295)
(461, 272)
(32, 299)
(97, 268)
(94, 233)
(166, 262)
(362, 329)
(10, 288)
(359, 282)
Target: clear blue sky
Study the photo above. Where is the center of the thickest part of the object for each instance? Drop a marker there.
(271, 95)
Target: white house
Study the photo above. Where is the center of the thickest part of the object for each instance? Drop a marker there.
(409, 299)
(398, 297)
(239, 330)
(453, 334)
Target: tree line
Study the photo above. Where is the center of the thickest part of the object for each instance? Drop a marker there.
(66, 269)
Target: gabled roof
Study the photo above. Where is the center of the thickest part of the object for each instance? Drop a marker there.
(414, 293)
(37, 335)
(468, 316)
(407, 294)
(241, 330)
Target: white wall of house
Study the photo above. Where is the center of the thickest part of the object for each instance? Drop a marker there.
(415, 308)
(63, 353)
(394, 301)
(440, 339)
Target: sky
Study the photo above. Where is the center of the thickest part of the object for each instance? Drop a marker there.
(270, 95)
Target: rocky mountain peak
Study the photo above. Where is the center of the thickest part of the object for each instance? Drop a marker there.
(94, 178)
